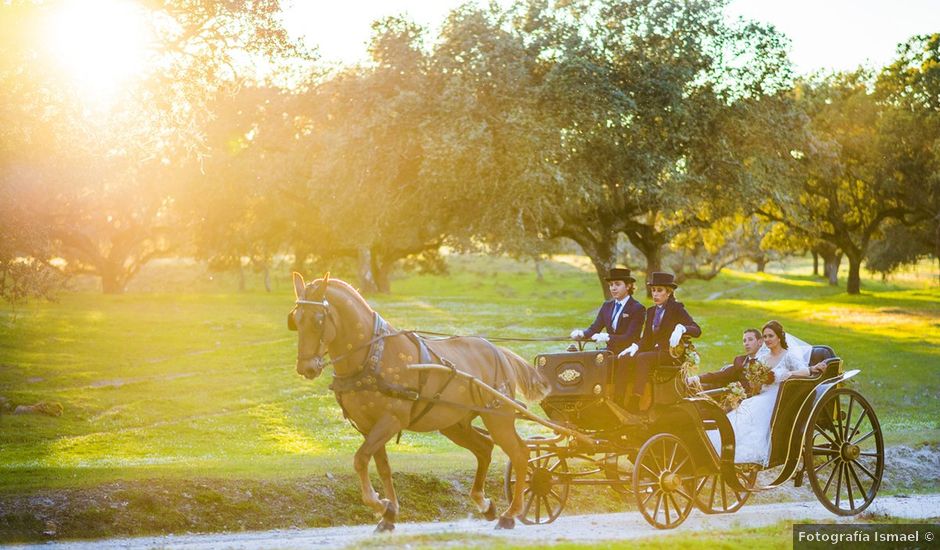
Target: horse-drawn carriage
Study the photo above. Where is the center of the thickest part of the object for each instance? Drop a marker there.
(388, 380)
(821, 430)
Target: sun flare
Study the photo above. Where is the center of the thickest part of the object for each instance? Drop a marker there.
(101, 44)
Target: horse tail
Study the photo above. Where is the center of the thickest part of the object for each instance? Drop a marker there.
(529, 381)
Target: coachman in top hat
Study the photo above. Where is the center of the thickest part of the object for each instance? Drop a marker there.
(666, 322)
(621, 316)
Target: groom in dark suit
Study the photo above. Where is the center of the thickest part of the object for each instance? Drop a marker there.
(621, 316)
(735, 371)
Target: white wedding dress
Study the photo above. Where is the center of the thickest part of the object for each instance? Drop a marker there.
(751, 420)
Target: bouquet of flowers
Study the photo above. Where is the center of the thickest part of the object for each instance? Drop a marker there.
(757, 374)
(734, 396)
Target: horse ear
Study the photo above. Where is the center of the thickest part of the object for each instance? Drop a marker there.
(321, 289)
(298, 285)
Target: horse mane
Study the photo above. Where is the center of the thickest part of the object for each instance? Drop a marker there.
(337, 284)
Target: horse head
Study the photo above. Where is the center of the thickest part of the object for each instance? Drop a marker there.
(314, 321)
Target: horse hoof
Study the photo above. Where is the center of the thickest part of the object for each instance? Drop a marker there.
(490, 513)
(505, 523)
(391, 512)
(385, 527)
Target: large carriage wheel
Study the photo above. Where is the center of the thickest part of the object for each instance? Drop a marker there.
(713, 496)
(663, 481)
(844, 453)
(546, 493)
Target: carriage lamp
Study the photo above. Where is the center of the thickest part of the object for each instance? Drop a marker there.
(599, 358)
(542, 360)
(597, 389)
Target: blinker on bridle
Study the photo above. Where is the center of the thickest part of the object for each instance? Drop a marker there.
(291, 323)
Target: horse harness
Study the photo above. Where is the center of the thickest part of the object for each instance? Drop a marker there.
(370, 377)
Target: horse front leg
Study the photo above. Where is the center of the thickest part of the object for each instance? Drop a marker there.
(376, 439)
(385, 474)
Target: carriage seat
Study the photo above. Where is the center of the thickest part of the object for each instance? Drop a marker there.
(791, 396)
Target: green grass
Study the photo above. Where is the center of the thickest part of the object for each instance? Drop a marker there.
(177, 385)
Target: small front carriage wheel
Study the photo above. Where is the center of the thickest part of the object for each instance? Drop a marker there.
(664, 480)
(546, 490)
(844, 453)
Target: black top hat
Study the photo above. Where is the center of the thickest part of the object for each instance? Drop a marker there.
(661, 278)
(619, 274)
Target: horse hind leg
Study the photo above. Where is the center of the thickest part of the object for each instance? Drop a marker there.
(478, 443)
(503, 431)
(391, 499)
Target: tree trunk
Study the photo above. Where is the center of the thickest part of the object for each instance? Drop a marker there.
(602, 256)
(538, 271)
(832, 258)
(382, 273)
(241, 276)
(267, 278)
(855, 282)
(761, 262)
(366, 277)
(111, 280)
(815, 264)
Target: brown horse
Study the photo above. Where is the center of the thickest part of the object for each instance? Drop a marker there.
(381, 395)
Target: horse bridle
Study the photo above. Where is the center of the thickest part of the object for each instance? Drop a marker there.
(292, 325)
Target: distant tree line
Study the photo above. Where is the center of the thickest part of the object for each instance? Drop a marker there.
(660, 124)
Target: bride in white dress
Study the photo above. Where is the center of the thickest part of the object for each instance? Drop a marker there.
(787, 356)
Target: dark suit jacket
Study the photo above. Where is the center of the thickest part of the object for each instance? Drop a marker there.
(731, 373)
(675, 314)
(628, 327)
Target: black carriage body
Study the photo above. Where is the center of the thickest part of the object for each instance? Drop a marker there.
(580, 383)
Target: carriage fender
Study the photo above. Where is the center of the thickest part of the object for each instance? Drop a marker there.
(820, 392)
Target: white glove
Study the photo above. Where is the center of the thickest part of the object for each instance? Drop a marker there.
(577, 334)
(631, 351)
(693, 380)
(601, 337)
(676, 336)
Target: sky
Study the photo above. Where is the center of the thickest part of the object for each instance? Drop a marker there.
(824, 34)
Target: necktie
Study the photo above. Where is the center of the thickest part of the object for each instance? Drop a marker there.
(617, 309)
(658, 317)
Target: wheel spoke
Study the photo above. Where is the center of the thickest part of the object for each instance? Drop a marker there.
(858, 422)
(869, 454)
(848, 420)
(831, 476)
(711, 499)
(825, 451)
(659, 499)
(548, 508)
(820, 431)
(839, 485)
(666, 507)
(538, 509)
(646, 483)
(724, 494)
(866, 436)
(824, 464)
(864, 492)
(848, 485)
(654, 474)
(528, 504)
(675, 506)
(838, 400)
(672, 459)
(681, 464)
(649, 496)
(864, 469)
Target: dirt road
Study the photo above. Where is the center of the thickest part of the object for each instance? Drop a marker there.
(586, 528)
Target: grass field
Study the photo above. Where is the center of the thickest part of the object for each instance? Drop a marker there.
(179, 385)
